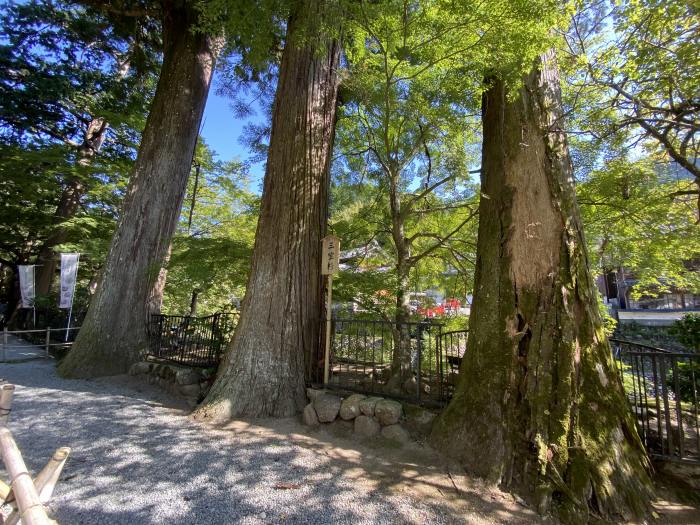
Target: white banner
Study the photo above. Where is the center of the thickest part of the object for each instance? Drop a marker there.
(69, 274)
(26, 285)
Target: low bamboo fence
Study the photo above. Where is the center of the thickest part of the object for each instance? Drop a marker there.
(26, 495)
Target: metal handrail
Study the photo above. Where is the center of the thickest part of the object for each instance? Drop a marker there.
(641, 345)
(664, 397)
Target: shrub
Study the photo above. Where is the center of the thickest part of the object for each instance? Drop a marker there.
(687, 331)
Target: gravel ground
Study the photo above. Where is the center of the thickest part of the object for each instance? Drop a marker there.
(138, 458)
(19, 350)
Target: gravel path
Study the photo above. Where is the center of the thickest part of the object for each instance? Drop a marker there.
(138, 458)
(19, 350)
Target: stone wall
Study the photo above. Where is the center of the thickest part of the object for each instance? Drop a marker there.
(370, 416)
(192, 384)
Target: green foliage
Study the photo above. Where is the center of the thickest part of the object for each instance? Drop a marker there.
(609, 322)
(628, 378)
(212, 255)
(658, 336)
(63, 67)
(631, 221)
(688, 380)
(687, 330)
(633, 75)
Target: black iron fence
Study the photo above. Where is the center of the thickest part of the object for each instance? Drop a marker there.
(363, 351)
(663, 388)
(190, 341)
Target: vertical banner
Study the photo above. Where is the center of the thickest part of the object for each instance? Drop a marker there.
(26, 285)
(69, 275)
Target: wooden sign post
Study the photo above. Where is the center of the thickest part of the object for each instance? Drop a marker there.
(330, 264)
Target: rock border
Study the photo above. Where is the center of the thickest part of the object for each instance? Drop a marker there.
(190, 383)
(371, 416)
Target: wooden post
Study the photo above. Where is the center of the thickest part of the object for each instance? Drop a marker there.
(330, 264)
(31, 511)
(327, 355)
(4, 344)
(7, 392)
(48, 340)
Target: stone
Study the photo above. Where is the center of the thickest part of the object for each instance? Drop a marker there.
(190, 390)
(387, 412)
(367, 405)
(396, 433)
(327, 407)
(309, 416)
(350, 407)
(140, 368)
(187, 377)
(366, 426)
(419, 421)
(313, 393)
(410, 385)
(341, 428)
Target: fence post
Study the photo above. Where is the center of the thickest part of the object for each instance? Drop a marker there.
(7, 393)
(4, 344)
(48, 340)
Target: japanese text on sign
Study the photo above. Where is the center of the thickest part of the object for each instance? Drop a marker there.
(330, 258)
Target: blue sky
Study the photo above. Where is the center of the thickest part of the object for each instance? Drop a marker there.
(222, 130)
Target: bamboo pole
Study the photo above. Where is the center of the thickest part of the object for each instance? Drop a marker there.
(31, 511)
(5, 491)
(7, 392)
(45, 482)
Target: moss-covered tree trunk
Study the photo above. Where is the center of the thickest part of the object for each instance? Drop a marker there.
(539, 407)
(280, 325)
(114, 330)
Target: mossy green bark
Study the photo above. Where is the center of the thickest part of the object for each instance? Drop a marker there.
(539, 407)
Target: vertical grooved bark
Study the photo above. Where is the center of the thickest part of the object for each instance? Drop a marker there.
(539, 407)
(279, 329)
(114, 330)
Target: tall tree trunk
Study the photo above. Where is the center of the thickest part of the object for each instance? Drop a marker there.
(280, 324)
(539, 406)
(401, 358)
(114, 330)
(68, 205)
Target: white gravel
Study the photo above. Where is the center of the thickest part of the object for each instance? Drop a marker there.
(138, 458)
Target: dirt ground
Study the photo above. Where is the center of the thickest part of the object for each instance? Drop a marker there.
(139, 458)
(417, 471)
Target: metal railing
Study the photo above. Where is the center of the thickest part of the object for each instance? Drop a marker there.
(364, 356)
(190, 341)
(663, 388)
(41, 338)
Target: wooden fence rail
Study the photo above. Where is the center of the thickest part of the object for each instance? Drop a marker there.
(46, 344)
(25, 495)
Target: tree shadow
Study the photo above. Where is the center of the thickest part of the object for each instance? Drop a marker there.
(137, 460)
